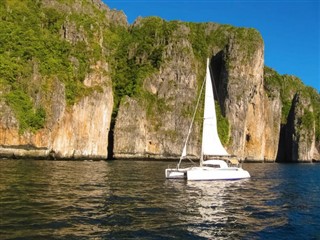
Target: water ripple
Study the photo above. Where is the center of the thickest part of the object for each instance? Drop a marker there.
(132, 200)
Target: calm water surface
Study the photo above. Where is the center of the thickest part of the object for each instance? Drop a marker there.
(133, 200)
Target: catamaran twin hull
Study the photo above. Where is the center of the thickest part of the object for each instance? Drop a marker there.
(207, 173)
(175, 173)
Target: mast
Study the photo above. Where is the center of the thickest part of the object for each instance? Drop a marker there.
(184, 151)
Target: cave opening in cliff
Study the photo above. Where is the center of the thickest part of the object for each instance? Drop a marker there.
(248, 137)
(217, 72)
(111, 136)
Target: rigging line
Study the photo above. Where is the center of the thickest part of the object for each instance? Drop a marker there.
(190, 127)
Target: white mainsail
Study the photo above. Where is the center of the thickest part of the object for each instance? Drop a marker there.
(184, 151)
(211, 144)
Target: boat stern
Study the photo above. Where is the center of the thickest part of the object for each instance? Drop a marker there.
(175, 173)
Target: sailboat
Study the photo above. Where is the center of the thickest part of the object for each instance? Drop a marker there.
(215, 162)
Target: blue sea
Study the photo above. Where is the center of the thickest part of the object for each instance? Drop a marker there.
(133, 200)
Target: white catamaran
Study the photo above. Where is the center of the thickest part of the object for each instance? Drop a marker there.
(215, 162)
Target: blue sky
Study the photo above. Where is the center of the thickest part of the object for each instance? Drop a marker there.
(290, 28)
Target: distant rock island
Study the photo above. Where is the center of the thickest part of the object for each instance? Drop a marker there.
(78, 82)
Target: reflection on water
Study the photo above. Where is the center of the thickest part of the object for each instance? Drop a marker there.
(132, 199)
(226, 209)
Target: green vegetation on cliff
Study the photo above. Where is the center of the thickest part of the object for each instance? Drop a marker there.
(39, 43)
(34, 49)
(287, 86)
(138, 55)
(44, 41)
(29, 117)
(145, 47)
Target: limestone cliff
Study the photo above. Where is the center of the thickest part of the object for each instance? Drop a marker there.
(155, 125)
(77, 132)
(255, 109)
(298, 134)
(297, 117)
(82, 131)
(76, 81)
(60, 80)
(272, 119)
(238, 72)
(244, 98)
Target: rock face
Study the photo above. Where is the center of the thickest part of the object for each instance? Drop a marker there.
(77, 132)
(78, 128)
(83, 130)
(239, 81)
(244, 101)
(88, 7)
(272, 119)
(297, 143)
(254, 116)
(158, 128)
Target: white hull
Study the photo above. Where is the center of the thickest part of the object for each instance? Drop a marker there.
(175, 173)
(208, 173)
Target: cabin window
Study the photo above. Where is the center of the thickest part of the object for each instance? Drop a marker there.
(212, 165)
